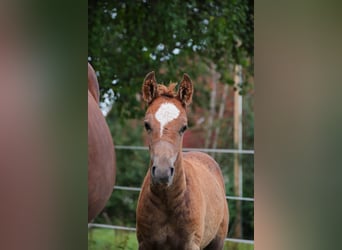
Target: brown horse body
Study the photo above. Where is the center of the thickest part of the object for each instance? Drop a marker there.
(182, 203)
(101, 156)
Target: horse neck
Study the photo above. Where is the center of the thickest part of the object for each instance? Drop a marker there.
(179, 180)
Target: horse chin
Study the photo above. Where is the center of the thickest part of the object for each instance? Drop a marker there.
(162, 185)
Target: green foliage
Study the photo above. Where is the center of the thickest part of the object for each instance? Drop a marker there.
(127, 39)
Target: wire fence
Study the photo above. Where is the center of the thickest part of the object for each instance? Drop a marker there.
(137, 189)
(132, 229)
(206, 150)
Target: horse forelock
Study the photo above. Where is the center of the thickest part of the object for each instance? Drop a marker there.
(168, 91)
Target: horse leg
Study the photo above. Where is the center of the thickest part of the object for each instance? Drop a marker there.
(216, 244)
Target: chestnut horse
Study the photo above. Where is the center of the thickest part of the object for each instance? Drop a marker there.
(101, 156)
(182, 204)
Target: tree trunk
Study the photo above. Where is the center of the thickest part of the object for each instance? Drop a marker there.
(212, 112)
(238, 145)
(220, 114)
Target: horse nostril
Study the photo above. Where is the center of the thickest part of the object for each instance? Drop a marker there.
(154, 170)
(172, 170)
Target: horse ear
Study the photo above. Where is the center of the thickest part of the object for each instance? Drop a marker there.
(185, 90)
(149, 88)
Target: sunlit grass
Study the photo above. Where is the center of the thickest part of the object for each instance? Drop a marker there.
(237, 246)
(105, 239)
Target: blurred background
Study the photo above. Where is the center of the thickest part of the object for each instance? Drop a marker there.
(43, 132)
(213, 42)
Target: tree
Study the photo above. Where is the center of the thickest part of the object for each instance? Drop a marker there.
(128, 39)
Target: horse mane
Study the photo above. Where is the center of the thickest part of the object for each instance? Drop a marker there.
(168, 91)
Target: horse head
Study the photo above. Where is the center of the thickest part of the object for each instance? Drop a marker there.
(165, 123)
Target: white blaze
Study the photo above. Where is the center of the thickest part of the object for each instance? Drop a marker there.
(167, 112)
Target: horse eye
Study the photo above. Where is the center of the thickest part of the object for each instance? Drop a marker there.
(147, 127)
(182, 130)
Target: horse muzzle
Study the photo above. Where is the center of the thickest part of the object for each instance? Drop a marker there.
(163, 158)
(162, 175)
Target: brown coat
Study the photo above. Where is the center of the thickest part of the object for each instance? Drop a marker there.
(182, 204)
(101, 157)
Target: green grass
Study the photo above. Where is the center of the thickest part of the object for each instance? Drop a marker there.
(106, 239)
(237, 246)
